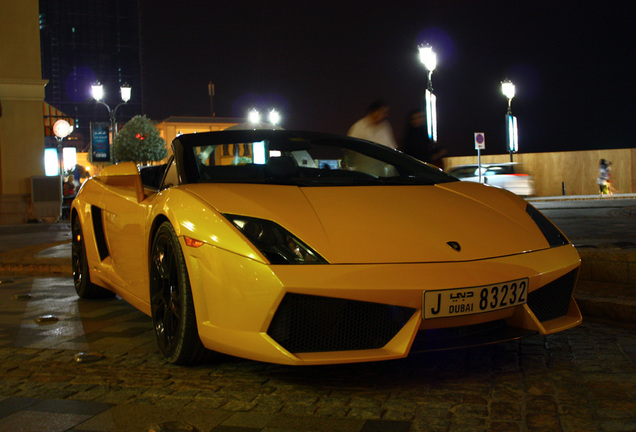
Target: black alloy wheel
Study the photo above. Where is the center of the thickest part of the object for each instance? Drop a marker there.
(81, 276)
(171, 303)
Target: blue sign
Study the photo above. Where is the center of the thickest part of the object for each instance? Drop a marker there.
(100, 145)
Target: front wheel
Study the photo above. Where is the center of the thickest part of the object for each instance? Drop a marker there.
(171, 303)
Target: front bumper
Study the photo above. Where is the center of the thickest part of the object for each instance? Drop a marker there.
(326, 314)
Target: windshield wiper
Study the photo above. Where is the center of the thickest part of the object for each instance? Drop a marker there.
(336, 181)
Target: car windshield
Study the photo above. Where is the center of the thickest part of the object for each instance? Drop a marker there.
(284, 157)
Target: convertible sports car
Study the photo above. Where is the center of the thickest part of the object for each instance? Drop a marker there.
(304, 248)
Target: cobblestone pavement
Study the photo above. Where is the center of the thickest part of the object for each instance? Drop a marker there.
(580, 380)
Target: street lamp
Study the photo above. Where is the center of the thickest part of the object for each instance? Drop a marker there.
(512, 137)
(508, 89)
(125, 91)
(274, 117)
(428, 57)
(254, 117)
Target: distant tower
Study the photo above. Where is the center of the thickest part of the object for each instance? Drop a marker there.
(83, 41)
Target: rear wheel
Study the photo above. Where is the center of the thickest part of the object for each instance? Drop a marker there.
(81, 276)
(171, 301)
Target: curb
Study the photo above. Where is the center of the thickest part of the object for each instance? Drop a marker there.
(25, 261)
(36, 269)
(606, 308)
(608, 265)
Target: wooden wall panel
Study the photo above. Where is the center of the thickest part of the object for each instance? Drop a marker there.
(578, 170)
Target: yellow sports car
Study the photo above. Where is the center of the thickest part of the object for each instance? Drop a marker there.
(304, 248)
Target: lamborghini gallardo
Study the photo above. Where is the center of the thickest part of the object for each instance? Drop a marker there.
(305, 248)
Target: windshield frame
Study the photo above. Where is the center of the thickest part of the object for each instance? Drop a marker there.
(407, 170)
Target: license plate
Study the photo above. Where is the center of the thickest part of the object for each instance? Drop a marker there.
(471, 300)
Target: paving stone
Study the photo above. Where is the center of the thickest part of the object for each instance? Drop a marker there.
(365, 413)
(542, 422)
(505, 411)
(385, 426)
(41, 421)
(399, 415)
(502, 392)
(320, 424)
(120, 396)
(242, 405)
(618, 426)
(470, 410)
(467, 424)
(541, 404)
(207, 403)
(504, 426)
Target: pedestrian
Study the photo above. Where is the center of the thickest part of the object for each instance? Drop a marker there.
(603, 177)
(77, 175)
(610, 179)
(374, 126)
(416, 142)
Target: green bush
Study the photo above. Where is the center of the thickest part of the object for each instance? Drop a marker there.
(139, 141)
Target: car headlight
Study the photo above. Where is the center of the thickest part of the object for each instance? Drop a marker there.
(551, 233)
(277, 244)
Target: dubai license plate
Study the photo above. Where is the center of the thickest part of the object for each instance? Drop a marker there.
(471, 300)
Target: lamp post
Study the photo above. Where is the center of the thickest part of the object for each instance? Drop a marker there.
(61, 129)
(512, 138)
(125, 91)
(428, 57)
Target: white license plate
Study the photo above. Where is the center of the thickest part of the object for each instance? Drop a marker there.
(471, 300)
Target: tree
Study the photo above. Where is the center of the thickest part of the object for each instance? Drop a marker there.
(139, 141)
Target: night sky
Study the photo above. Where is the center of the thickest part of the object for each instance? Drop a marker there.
(321, 63)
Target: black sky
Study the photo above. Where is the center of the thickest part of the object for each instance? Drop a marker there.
(322, 62)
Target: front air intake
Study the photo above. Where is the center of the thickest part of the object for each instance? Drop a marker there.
(306, 323)
(553, 300)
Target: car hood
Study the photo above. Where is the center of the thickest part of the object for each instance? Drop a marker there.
(456, 221)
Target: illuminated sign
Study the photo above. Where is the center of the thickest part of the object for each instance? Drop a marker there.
(431, 115)
(512, 134)
(100, 145)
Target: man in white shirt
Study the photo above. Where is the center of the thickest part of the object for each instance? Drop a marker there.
(375, 126)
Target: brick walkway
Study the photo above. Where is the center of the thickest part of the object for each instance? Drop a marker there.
(580, 380)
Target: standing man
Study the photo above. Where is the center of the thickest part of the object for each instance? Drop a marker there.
(374, 126)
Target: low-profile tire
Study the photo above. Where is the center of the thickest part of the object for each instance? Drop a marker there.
(81, 276)
(171, 302)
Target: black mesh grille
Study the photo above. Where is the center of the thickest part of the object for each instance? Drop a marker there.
(305, 323)
(552, 301)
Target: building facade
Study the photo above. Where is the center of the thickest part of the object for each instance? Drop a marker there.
(21, 97)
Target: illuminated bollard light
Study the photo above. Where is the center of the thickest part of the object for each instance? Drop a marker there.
(88, 357)
(46, 319)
